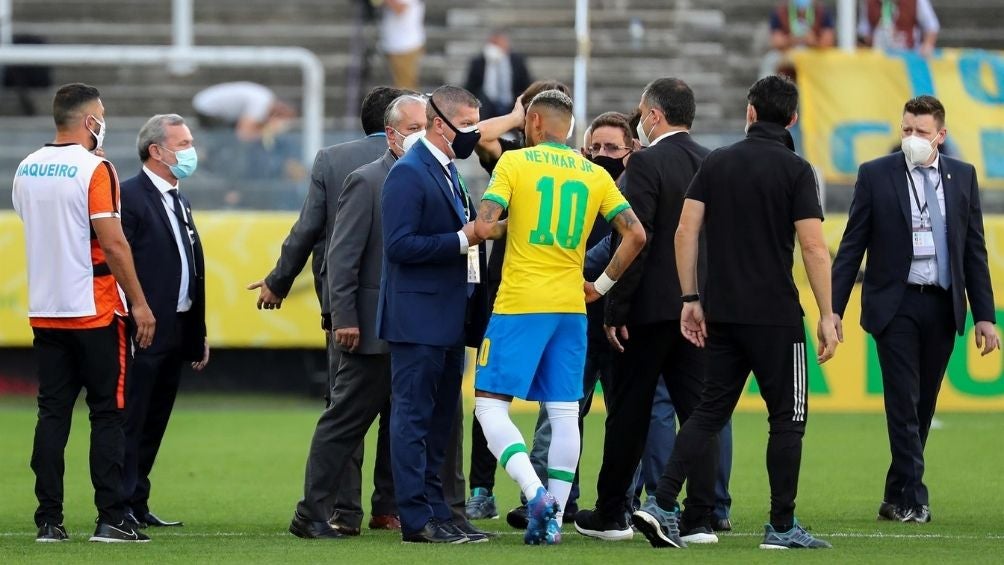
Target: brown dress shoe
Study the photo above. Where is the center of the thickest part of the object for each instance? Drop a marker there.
(385, 522)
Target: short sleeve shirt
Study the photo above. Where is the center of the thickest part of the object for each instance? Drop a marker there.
(553, 196)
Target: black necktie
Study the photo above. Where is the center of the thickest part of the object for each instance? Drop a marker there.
(186, 241)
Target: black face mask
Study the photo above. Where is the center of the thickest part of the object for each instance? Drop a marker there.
(612, 165)
(465, 141)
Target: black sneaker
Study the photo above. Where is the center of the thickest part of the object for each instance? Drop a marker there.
(120, 533)
(698, 534)
(722, 525)
(518, 517)
(48, 533)
(592, 524)
(921, 514)
(890, 511)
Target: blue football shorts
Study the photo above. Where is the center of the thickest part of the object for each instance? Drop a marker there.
(537, 357)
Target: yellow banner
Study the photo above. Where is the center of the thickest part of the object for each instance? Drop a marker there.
(851, 105)
(242, 247)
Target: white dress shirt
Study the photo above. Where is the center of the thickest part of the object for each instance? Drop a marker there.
(184, 301)
(445, 162)
(665, 135)
(924, 271)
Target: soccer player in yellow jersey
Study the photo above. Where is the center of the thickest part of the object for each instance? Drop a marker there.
(535, 345)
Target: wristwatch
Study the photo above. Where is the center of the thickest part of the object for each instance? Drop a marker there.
(690, 297)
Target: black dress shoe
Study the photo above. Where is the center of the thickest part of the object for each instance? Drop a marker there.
(922, 514)
(344, 529)
(890, 511)
(466, 529)
(151, 519)
(518, 517)
(433, 532)
(304, 528)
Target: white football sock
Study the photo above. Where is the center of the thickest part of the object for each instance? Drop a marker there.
(563, 454)
(506, 443)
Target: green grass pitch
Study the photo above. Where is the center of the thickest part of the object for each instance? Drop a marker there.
(232, 469)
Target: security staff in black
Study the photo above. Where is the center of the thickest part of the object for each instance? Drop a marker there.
(752, 198)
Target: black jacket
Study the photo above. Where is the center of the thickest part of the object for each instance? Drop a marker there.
(655, 184)
(158, 265)
(879, 223)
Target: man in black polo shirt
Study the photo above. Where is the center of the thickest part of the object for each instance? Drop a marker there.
(752, 198)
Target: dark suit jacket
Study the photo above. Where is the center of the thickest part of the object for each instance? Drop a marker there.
(423, 292)
(655, 184)
(312, 230)
(879, 222)
(355, 255)
(158, 265)
(476, 80)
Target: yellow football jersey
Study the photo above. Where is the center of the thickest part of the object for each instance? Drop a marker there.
(553, 195)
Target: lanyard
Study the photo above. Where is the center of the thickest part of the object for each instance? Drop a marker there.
(887, 13)
(916, 197)
(465, 196)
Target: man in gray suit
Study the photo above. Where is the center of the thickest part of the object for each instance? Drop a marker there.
(310, 234)
(362, 381)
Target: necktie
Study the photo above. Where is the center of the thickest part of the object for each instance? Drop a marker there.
(186, 241)
(938, 226)
(458, 191)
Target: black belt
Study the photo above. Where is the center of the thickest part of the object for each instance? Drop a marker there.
(102, 270)
(922, 288)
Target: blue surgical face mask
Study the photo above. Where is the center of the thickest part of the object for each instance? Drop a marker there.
(188, 160)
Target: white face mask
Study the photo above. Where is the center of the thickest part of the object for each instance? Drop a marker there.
(642, 136)
(99, 137)
(918, 150)
(411, 139)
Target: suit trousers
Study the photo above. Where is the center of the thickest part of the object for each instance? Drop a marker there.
(452, 473)
(68, 360)
(348, 507)
(776, 356)
(425, 385)
(913, 352)
(653, 350)
(359, 395)
(153, 387)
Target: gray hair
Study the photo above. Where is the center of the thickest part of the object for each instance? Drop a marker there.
(393, 113)
(154, 132)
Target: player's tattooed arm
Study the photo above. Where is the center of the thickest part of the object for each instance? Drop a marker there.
(632, 240)
(488, 225)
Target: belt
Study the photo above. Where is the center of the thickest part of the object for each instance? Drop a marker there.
(922, 288)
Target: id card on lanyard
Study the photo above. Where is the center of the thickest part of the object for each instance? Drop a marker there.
(473, 258)
(923, 234)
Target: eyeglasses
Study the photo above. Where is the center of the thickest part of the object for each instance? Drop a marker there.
(608, 147)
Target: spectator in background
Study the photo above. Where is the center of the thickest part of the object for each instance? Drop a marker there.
(898, 24)
(251, 109)
(796, 24)
(402, 38)
(22, 79)
(497, 75)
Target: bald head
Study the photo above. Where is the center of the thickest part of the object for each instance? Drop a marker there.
(548, 117)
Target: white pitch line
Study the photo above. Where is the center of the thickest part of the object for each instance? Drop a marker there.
(876, 535)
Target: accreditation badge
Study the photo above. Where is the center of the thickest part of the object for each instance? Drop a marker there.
(923, 242)
(474, 265)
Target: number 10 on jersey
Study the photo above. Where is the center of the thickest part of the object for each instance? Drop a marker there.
(573, 195)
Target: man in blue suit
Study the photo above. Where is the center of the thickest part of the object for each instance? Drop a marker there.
(429, 242)
(917, 214)
(157, 221)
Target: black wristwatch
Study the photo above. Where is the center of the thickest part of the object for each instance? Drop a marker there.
(690, 297)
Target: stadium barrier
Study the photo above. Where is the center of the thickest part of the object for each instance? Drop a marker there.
(241, 247)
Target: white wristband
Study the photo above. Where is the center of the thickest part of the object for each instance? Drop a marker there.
(603, 284)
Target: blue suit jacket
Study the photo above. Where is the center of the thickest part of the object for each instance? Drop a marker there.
(423, 291)
(158, 265)
(879, 222)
